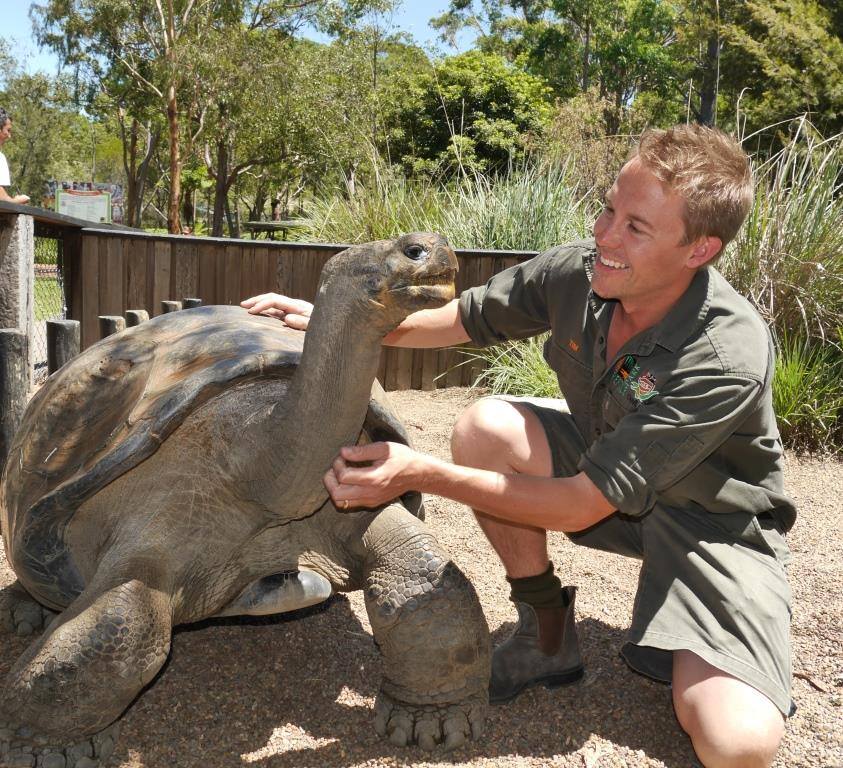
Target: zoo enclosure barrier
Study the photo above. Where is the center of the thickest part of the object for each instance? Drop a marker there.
(115, 271)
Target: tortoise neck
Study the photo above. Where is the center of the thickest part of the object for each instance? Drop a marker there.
(326, 403)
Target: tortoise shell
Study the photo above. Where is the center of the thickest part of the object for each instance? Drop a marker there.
(112, 406)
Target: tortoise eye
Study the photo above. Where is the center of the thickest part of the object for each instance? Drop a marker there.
(415, 252)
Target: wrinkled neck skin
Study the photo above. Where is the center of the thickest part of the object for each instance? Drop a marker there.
(324, 408)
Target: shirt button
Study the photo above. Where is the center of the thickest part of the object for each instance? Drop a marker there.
(598, 432)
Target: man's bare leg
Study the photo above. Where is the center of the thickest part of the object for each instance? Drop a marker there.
(731, 724)
(506, 437)
(543, 649)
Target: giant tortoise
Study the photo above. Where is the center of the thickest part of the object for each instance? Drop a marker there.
(173, 472)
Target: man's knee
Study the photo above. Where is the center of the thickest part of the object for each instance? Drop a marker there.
(730, 723)
(481, 432)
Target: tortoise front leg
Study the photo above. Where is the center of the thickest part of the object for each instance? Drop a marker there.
(431, 631)
(79, 676)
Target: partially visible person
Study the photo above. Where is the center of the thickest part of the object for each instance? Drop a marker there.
(5, 177)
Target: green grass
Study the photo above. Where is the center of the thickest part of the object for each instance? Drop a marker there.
(807, 394)
(530, 208)
(516, 368)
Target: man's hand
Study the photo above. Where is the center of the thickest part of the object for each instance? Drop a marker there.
(294, 313)
(391, 470)
(20, 199)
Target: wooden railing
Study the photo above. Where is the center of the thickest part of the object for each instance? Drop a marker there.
(110, 271)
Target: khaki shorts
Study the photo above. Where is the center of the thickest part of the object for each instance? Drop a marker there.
(713, 584)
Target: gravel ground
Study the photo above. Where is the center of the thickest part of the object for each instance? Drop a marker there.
(298, 690)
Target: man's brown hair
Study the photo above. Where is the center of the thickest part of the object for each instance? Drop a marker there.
(708, 169)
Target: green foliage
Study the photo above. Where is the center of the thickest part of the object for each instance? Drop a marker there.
(529, 208)
(788, 258)
(516, 368)
(808, 393)
(783, 58)
(473, 111)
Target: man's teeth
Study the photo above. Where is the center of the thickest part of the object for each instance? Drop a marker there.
(612, 264)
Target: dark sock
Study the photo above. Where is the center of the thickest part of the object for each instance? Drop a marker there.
(542, 591)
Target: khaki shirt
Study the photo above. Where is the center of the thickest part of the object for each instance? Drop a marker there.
(682, 416)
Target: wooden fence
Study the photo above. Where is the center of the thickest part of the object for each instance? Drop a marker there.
(108, 272)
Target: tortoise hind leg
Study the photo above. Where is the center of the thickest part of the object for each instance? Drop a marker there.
(431, 631)
(79, 676)
(20, 614)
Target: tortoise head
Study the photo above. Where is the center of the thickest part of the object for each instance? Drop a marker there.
(390, 279)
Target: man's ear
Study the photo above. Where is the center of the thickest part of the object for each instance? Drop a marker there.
(705, 249)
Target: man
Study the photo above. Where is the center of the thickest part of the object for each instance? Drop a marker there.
(5, 178)
(669, 452)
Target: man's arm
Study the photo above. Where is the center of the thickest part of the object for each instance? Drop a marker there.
(19, 199)
(553, 503)
(430, 328)
(426, 329)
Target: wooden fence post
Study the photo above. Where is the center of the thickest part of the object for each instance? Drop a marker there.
(63, 342)
(110, 324)
(136, 317)
(15, 373)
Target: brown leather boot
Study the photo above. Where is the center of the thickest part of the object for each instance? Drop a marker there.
(543, 649)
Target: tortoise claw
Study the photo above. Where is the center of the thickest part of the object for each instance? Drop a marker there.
(430, 725)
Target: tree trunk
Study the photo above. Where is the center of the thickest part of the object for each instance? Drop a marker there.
(586, 59)
(173, 223)
(708, 89)
(220, 188)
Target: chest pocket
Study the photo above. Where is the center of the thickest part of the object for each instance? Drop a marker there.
(615, 406)
(574, 377)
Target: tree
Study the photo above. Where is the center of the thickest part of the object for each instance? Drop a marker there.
(473, 110)
(624, 47)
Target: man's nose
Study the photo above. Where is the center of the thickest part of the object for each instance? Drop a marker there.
(606, 233)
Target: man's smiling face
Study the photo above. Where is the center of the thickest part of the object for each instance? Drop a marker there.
(642, 256)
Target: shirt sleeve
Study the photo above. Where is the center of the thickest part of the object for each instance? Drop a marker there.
(668, 436)
(513, 304)
(5, 179)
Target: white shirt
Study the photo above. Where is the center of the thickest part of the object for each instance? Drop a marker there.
(5, 179)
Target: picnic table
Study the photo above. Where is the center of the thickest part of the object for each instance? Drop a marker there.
(269, 228)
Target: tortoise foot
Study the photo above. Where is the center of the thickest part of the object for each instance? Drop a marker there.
(429, 725)
(20, 614)
(21, 748)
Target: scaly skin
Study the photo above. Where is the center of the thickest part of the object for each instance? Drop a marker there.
(79, 676)
(428, 624)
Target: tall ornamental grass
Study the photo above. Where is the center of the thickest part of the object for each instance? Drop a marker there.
(788, 258)
(529, 208)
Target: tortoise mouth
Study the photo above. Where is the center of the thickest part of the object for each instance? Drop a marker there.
(434, 287)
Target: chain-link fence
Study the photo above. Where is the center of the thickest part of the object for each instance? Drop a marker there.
(49, 298)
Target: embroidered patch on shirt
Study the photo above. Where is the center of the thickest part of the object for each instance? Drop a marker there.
(629, 380)
(573, 345)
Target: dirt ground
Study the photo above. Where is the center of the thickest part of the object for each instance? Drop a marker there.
(297, 691)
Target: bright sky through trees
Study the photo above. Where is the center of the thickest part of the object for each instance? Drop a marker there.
(412, 18)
